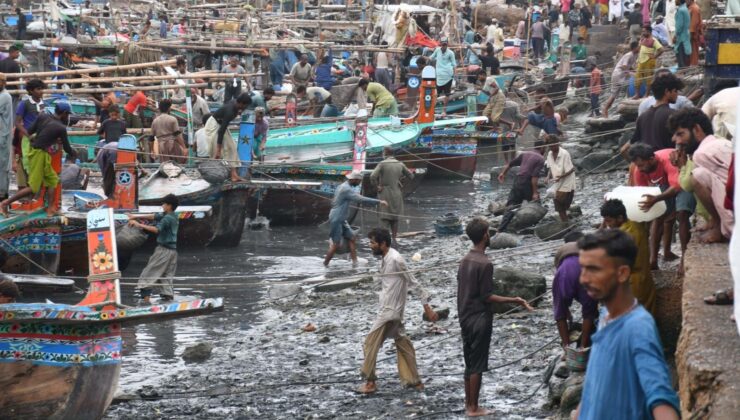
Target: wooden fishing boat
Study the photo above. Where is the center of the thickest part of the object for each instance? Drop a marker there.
(64, 361)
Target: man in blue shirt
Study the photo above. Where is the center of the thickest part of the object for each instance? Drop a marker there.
(339, 228)
(626, 376)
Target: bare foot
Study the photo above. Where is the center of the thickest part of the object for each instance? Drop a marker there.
(367, 388)
(4, 208)
(606, 114)
(712, 236)
(704, 227)
(478, 412)
(419, 387)
(654, 265)
(670, 256)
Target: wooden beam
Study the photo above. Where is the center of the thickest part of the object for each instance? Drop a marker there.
(212, 75)
(114, 89)
(107, 69)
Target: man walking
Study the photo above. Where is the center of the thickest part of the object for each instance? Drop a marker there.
(396, 282)
(474, 296)
(339, 228)
(6, 137)
(160, 270)
(388, 176)
(626, 370)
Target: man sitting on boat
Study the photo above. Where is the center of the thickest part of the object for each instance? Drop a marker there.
(345, 195)
(220, 142)
(160, 270)
(47, 131)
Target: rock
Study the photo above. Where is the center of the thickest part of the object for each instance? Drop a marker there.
(324, 339)
(497, 207)
(284, 290)
(572, 393)
(527, 216)
(503, 240)
(309, 327)
(577, 150)
(443, 313)
(561, 369)
(340, 284)
(555, 386)
(197, 353)
(576, 105)
(508, 281)
(599, 125)
(627, 108)
(553, 230)
(303, 362)
(214, 172)
(599, 161)
(575, 211)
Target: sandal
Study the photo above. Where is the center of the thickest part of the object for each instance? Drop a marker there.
(720, 297)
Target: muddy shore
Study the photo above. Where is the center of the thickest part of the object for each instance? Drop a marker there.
(264, 366)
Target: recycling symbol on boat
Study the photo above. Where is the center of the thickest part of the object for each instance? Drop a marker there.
(124, 178)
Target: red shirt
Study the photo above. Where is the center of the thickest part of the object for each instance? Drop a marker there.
(595, 87)
(137, 101)
(665, 174)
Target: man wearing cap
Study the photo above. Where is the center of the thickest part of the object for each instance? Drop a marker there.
(339, 228)
(445, 66)
(46, 133)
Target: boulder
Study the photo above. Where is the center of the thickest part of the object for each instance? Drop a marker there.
(577, 150)
(528, 215)
(575, 211)
(600, 125)
(197, 353)
(561, 370)
(555, 386)
(573, 388)
(627, 108)
(549, 231)
(508, 281)
(497, 208)
(503, 240)
(599, 161)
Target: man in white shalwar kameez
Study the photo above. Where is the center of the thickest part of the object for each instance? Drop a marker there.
(6, 137)
(396, 282)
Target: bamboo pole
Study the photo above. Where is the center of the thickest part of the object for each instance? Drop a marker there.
(114, 89)
(108, 69)
(204, 75)
(94, 132)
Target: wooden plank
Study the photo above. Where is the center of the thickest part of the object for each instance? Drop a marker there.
(107, 69)
(114, 89)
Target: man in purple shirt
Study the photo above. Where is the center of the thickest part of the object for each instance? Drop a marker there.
(566, 287)
(525, 186)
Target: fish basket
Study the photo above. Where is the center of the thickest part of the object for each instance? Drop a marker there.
(449, 224)
(576, 359)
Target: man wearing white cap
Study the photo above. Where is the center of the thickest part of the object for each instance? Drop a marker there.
(339, 228)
